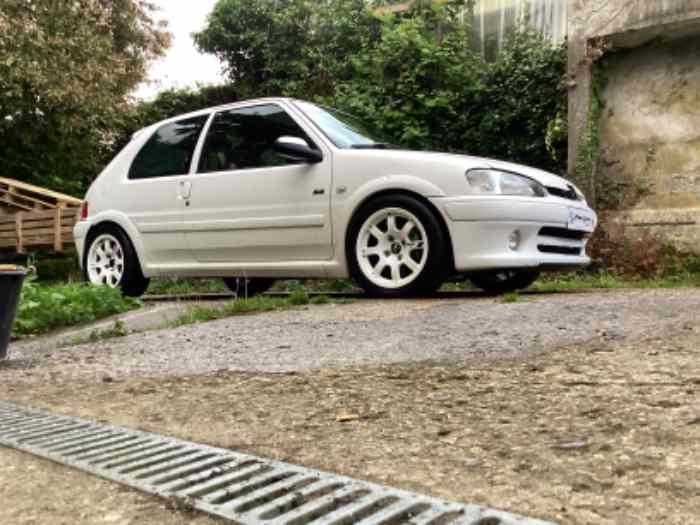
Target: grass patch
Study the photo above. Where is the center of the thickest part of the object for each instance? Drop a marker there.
(175, 286)
(44, 308)
(262, 303)
(606, 281)
(587, 280)
(511, 297)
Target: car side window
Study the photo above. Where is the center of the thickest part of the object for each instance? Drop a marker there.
(245, 139)
(169, 151)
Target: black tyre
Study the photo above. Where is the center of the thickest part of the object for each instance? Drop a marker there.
(504, 281)
(248, 287)
(396, 247)
(110, 260)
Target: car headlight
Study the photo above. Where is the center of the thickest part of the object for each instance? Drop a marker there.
(494, 182)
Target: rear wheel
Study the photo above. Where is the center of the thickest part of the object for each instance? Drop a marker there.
(396, 247)
(243, 287)
(504, 281)
(111, 260)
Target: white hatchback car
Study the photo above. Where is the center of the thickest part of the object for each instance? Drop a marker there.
(280, 188)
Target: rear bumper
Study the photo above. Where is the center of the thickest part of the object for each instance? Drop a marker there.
(481, 229)
(80, 232)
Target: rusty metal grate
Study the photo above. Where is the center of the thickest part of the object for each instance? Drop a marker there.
(245, 489)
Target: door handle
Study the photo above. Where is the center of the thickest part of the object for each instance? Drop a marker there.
(185, 190)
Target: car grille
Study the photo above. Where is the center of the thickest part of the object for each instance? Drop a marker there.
(569, 194)
(561, 250)
(563, 233)
(561, 241)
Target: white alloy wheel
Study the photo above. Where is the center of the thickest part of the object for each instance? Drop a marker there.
(392, 248)
(105, 261)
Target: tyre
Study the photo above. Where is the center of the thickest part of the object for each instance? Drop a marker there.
(110, 260)
(248, 287)
(396, 247)
(504, 281)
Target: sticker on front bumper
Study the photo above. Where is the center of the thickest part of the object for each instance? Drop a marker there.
(581, 220)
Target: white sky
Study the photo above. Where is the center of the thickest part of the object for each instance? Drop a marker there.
(183, 66)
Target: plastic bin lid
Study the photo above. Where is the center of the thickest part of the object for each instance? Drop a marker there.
(12, 269)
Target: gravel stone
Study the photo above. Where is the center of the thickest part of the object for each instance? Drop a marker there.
(365, 332)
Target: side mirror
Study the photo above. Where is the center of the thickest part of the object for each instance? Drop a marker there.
(297, 147)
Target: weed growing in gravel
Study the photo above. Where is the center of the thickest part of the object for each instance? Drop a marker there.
(298, 296)
(117, 330)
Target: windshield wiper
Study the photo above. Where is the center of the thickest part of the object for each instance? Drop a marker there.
(374, 145)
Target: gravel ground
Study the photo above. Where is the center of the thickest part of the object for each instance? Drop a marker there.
(604, 433)
(581, 408)
(362, 333)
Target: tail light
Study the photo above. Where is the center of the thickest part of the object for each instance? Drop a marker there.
(84, 211)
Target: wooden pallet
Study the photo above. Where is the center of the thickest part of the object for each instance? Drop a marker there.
(51, 229)
(20, 196)
(35, 218)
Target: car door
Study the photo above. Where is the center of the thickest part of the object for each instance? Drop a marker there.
(156, 186)
(251, 204)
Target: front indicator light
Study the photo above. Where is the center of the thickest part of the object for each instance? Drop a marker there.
(514, 240)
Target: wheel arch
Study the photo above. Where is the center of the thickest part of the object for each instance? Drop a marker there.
(124, 228)
(409, 193)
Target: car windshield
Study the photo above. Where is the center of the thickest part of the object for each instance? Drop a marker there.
(344, 130)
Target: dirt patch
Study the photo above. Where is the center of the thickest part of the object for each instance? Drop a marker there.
(605, 432)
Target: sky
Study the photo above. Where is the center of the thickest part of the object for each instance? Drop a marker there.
(183, 66)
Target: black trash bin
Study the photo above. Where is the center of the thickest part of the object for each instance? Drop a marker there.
(11, 280)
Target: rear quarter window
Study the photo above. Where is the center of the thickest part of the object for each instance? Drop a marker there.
(169, 151)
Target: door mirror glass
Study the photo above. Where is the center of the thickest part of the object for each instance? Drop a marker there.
(297, 147)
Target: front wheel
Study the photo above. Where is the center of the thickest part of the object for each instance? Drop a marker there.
(504, 281)
(396, 247)
(111, 260)
(243, 287)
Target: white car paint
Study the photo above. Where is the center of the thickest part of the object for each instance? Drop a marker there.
(274, 222)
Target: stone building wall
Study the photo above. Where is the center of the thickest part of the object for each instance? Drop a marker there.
(634, 112)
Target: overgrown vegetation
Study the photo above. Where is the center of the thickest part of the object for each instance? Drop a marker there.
(44, 308)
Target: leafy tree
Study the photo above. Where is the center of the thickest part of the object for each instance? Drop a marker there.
(287, 47)
(66, 67)
(414, 87)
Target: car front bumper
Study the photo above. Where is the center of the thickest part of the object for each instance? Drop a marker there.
(481, 229)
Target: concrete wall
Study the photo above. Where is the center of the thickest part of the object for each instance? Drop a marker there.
(649, 131)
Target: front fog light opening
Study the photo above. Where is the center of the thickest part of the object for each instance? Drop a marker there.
(514, 240)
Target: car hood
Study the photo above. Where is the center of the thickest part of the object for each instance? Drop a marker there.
(462, 163)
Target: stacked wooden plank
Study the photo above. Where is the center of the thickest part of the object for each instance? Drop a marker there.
(35, 218)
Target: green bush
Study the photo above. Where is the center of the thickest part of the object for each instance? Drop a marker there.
(43, 308)
(442, 95)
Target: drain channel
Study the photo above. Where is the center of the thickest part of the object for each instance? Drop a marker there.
(245, 489)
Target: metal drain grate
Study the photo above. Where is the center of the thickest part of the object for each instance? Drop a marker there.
(238, 487)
